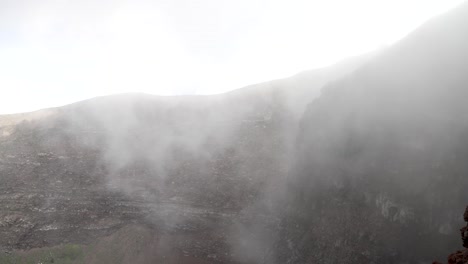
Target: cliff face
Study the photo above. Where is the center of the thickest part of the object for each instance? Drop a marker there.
(381, 162)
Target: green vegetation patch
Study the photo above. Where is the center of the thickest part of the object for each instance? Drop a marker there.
(64, 254)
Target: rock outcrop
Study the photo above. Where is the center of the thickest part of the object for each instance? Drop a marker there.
(461, 256)
(464, 230)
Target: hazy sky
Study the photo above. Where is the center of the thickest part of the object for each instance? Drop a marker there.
(57, 52)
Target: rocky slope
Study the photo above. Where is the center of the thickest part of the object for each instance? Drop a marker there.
(179, 168)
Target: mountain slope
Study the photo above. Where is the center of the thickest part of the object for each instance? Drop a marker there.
(381, 162)
(180, 167)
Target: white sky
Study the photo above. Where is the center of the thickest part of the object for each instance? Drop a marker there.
(55, 52)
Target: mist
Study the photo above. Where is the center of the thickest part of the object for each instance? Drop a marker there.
(363, 161)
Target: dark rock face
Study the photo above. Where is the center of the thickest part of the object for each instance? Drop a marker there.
(464, 230)
(461, 256)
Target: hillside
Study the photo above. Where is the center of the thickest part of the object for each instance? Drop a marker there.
(179, 168)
